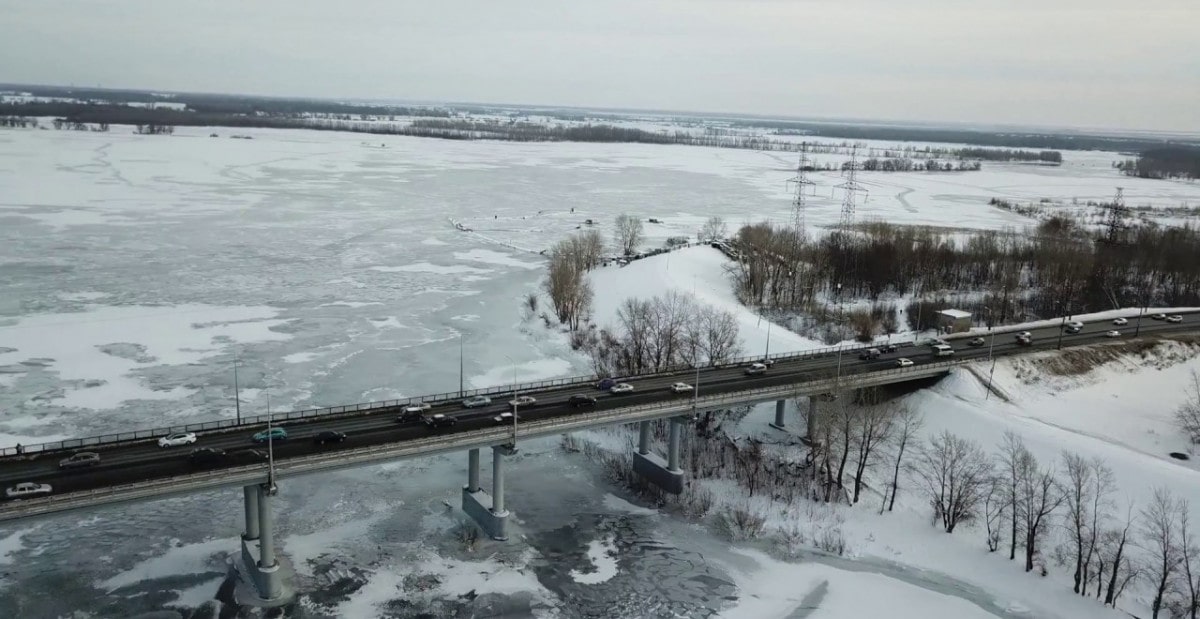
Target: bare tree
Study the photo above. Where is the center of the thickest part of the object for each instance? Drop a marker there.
(1189, 589)
(1013, 456)
(1077, 488)
(1040, 496)
(713, 230)
(954, 472)
(994, 503)
(1121, 571)
(874, 427)
(569, 291)
(628, 233)
(1188, 415)
(1160, 538)
(908, 422)
(1102, 487)
(591, 248)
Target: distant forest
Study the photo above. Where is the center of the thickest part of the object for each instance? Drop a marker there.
(115, 106)
(1167, 162)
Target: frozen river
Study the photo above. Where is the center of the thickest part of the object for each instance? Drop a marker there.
(136, 269)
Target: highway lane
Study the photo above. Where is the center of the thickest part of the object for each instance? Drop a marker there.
(145, 461)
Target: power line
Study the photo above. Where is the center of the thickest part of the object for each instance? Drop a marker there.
(801, 181)
(851, 188)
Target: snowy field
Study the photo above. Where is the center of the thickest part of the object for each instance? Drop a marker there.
(138, 269)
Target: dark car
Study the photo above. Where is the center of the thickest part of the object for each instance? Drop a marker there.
(890, 348)
(579, 399)
(247, 456)
(329, 436)
(440, 421)
(606, 383)
(206, 456)
(81, 460)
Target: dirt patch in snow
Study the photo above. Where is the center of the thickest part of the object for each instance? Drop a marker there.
(1155, 353)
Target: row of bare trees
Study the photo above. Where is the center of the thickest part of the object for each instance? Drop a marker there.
(566, 282)
(1107, 550)
(1055, 269)
(667, 331)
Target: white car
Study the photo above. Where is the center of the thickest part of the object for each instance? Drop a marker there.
(27, 489)
(621, 388)
(522, 400)
(1158, 316)
(756, 368)
(177, 439)
(1113, 333)
(418, 408)
(1174, 318)
(1024, 335)
(681, 388)
(1120, 322)
(903, 363)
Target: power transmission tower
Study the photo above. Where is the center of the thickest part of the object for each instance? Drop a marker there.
(801, 181)
(1116, 222)
(851, 188)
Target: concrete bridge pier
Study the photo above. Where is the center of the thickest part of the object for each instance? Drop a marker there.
(666, 474)
(811, 418)
(263, 580)
(487, 510)
(779, 405)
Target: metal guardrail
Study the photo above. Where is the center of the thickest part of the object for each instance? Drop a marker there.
(248, 422)
(326, 461)
(440, 398)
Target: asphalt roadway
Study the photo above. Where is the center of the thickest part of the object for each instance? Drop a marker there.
(144, 461)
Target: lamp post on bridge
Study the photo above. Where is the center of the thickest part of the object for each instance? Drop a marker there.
(515, 404)
(237, 399)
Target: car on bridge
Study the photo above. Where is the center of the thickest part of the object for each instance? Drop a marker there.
(477, 401)
(681, 388)
(1158, 316)
(329, 436)
(904, 363)
(580, 399)
(206, 456)
(869, 354)
(1113, 333)
(504, 418)
(27, 489)
(274, 434)
(81, 460)
(1174, 318)
(1023, 334)
(976, 341)
(417, 408)
(177, 439)
(1120, 322)
(522, 400)
(1073, 327)
(440, 421)
(890, 348)
(621, 388)
(756, 368)
(606, 383)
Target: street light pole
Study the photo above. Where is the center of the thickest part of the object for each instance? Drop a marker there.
(991, 358)
(460, 365)
(237, 400)
(515, 405)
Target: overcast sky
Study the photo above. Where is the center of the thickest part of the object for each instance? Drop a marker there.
(1093, 63)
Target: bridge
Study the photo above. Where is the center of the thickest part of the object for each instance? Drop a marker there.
(134, 468)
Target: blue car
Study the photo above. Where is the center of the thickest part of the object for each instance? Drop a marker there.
(605, 384)
(274, 434)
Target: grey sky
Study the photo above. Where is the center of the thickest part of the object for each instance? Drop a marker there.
(1100, 63)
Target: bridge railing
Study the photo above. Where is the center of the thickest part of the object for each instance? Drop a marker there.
(255, 421)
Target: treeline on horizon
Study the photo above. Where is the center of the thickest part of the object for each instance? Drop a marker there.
(1061, 268)
(1166, 162)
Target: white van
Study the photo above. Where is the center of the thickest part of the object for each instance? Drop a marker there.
(942, 350)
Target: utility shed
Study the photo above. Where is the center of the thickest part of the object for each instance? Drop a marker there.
(953, 321)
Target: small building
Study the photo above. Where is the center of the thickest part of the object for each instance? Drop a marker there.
(953, 321)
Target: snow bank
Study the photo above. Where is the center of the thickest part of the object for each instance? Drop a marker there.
(185, 559)
(699, 272)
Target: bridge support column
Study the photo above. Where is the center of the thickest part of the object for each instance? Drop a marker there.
(487, 510)
(666, 474)
(250, 499)
(473, 470)
(779, 406)
(263, 580)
